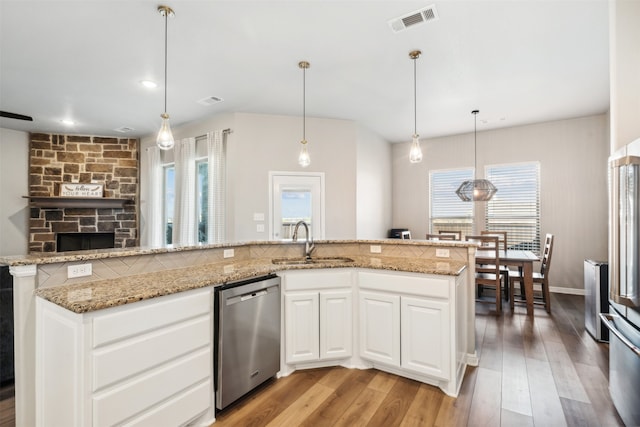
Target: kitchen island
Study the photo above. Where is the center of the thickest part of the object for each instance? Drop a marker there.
(122, 281)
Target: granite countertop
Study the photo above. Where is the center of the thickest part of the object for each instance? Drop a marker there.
(101, 294)
(55, 257)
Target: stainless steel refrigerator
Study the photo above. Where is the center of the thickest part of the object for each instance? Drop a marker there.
(623, 321)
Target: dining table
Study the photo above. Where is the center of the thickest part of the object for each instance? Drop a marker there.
(522, 259)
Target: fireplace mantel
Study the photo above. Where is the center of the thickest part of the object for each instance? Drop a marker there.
(76, 202)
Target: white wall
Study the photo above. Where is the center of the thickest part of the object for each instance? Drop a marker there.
(573, 157)
(262, 143)
(374, 204)
(624, 55)
(14, 183)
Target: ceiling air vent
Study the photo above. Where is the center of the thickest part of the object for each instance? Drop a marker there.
(210, 100)
(124, 129)
(414, 18)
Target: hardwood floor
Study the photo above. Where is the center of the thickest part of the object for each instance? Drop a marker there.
(540, 371)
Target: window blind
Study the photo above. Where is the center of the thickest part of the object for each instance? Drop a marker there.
(448, 212)
(515, 208)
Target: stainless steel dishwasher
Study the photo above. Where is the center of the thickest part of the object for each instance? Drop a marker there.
(247, 336)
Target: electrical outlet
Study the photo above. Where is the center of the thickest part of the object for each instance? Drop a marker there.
(375, 249)
(79, 270)
(260, 228)
(228, 253)
(442, 253)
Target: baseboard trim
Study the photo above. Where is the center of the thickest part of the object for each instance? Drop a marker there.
(570, 291)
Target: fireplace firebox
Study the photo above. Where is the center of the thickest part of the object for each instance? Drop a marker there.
(68, 242)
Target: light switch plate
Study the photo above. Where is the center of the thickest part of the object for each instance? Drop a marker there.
(228, 253)
(79, 270)
(375, 249)
(258, 216)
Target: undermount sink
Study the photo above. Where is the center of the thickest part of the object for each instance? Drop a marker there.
(319, 260)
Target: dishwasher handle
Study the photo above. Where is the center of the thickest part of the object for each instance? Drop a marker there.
(250, 295)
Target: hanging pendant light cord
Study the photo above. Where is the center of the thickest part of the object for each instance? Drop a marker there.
(166, 27)
(415, 102)
(304, 104)
(475, 149)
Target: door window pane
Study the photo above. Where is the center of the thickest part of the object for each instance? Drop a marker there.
(296, 206)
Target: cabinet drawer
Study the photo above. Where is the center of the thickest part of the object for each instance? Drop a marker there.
(317, 279)
(128, 321)
(423, 285)
(132, 357)
(179, 410)
(141, 394)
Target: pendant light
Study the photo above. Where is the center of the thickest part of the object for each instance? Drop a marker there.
(415, 153)
(165, 137)
(477, 190)
(303, 159)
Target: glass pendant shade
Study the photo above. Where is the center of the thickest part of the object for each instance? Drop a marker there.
(303, 159)
(165, 139)
(477, 190)
(415, 153)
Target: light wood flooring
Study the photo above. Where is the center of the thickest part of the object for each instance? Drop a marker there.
(540, 371)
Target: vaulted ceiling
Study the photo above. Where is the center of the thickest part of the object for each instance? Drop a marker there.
(518, 61)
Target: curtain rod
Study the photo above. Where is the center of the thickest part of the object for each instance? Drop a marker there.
(226, 131)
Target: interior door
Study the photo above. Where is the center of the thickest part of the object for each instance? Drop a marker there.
(296, 196)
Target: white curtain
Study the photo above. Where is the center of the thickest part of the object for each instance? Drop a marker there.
(184, 226)
(216, 186)
(153, 173)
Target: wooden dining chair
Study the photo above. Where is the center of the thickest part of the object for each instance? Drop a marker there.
(541, 278)
(457, 234)
(504, 270)
(441, 237)
(488, 275)
(502, 237)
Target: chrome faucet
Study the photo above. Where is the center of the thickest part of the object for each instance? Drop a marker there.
(309, 246)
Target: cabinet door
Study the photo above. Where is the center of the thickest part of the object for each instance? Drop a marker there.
(302, 324)
(426, 337)
(380, 327)
(336, 325)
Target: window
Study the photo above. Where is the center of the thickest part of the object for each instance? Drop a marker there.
(515, 208)
(448, 212)
(192, 199)
(169, 174)
(202, 199)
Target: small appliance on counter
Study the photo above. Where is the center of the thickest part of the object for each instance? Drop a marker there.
(398, 233)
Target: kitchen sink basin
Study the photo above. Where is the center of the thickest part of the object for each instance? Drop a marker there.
(319, 260)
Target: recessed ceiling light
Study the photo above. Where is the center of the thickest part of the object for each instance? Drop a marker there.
(149, 84)
(68, 122)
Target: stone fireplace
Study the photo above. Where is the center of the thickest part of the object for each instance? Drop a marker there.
(57, 159)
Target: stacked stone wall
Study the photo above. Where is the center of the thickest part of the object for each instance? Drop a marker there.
(58, 159)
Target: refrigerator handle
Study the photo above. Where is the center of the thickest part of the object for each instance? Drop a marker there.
(608, 321)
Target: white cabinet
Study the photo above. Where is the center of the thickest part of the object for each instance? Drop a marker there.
(380, 327)
(406, 322)
(425, 336)
(146, 363)
(318, 315)
(302, 314)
